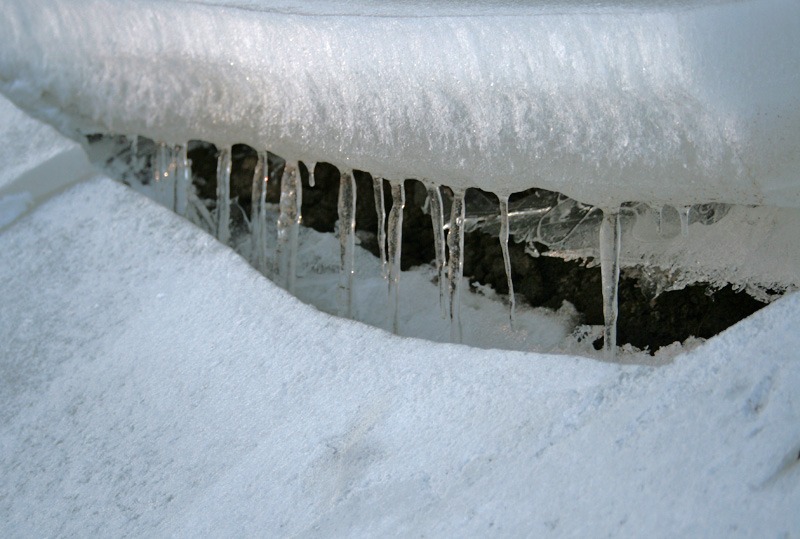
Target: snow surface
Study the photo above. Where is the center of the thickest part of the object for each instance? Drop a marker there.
(155, 384)
(667, 102)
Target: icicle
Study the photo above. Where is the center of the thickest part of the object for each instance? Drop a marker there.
(380, 210)
(610, 245)
(163, 186)
(455, 243)
(224, 195)
(289, 224)
(311, 180)
(135, 146)
(183, 179)
(506, 257)
(684, 211)
(347, 233)
(258, 212)
(437, 222)
(395, 244)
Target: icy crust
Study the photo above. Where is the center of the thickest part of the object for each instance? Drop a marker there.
(160, 386)
(677, 103)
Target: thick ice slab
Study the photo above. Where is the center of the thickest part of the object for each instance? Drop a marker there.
(668, 102)
(153, 383)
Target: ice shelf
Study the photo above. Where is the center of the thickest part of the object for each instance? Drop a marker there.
(669, 102)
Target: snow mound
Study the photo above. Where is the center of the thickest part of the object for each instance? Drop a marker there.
(153, 383)
(671, 102)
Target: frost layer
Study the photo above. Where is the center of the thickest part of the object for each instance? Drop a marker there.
(676, 102)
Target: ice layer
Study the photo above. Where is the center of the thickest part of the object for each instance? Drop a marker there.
(668, 102)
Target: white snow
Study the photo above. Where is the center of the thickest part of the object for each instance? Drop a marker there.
(154, 384)
(667, 102)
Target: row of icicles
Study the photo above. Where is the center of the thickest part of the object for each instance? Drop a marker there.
(173, 186)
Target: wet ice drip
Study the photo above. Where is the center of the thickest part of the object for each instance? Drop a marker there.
(380, 210)
(610, 244)
(183, 180)
(289, 224)
(310, 167)
(437, 223)
(224, 195)
(347, 234)
(258, 212)
(506, 257)
(395, 247)
(455, 269)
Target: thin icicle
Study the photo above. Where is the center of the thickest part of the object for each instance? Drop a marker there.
(610, 245)
(258, 211)
(289, 224)
(395, 245)
(135, 146)
(437, 222)
(224, 195)
(347, 234)
(455, 243)
(380, 210)
(183, 179)
(506, 258)
(684, 211)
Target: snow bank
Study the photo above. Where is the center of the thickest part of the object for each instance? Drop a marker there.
(154, 383)
(36, 162)
(670, 102)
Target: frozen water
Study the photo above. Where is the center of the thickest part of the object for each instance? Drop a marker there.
(610, 246)
(224, 195)
(289, 224)
(455, 264)
(395, 249)
(506, 257)
(437, 222)
(154, 384)
(347, 233)
(380, 211)
(258, 211)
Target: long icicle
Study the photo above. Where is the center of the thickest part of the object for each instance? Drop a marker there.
(512, 304)
(183, 179)
(380, 210)
(437, 223)
(289, 224)
(395, 247)
(224, 195)
(455, 243)
(347, 233)
(610, 245)
(258, 211)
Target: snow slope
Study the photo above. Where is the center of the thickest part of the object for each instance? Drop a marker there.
(154, 384)
(672, 102)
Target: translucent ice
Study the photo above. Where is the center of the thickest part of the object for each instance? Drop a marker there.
(395, 249)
